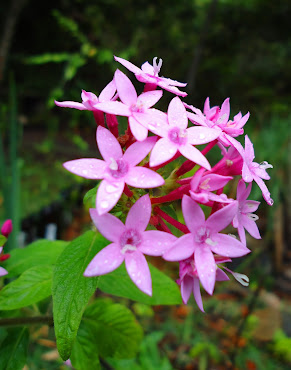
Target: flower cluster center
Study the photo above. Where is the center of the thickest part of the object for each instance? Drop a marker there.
(118, 168)
(202, 234)
(130, 240)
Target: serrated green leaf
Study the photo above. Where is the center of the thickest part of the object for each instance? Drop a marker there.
(165, 290)
(31, 287)
(71, 290)
(2, 240)
(13, 352)
(41, 252)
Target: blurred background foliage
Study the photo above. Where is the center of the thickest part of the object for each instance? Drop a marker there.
(222, 48)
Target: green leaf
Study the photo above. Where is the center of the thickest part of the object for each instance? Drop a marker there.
(2, 240)
(31, 287)
(13, 350)
(107, 329)
(165, 290)
(41, 252)
(71, 290)
(90, 197)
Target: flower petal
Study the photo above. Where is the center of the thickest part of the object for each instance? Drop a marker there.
(108, 92)
(197, 293)
(155, 242)
(228, 246)
(114, 107)
(3, 271)
(107, 260)
(139, 272)
(149, 98)
(194, 155)
(108, 145)
(201, 135)
(193, 214)
(206, 268)
(90, 168)
(162, 152)
(108, 195)
(125, 88)
(242, 191)
(140, 177)
(139, 150)
(131, 67)
(221, 275)
(108, 225)
(219, 220)
(251, 227)
(139, 215)
(181, 249)
(70, 104)
(186, 288)
(177, 115)
(138, 131)
(250, 206)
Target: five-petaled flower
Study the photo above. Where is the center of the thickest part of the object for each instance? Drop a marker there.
(129, 243)
(204, 239)
(117, 169)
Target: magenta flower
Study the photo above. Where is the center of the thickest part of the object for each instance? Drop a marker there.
(2, 270)
(129, 243)
(175, 136)
(255, 171)
(117, 169)
(204, 239)
(149, 74)
(90, 101)
(218, 118)
(245, 219)
(203, 184)
(132, 106)
(189, 279)
(6, 228)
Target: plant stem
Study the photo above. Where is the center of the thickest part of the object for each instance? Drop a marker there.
(178, 225)
(19, 321)
(174, 195)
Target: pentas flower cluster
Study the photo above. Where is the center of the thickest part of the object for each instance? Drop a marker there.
(134, 162)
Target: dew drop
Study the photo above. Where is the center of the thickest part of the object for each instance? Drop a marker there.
(172, 151)
(139, 281)
(110, 189)
(85, 172)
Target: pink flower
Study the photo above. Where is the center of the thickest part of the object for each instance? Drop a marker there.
(132, 106)
(90, 101)
(2, 270)
(117, 169)
(129, 243)
(245, 219)
(175, 136)
(189, 279)
(255, 171)
(149, 74)
(6, 228)
(203, 184)
(218, 118)
(204, 240)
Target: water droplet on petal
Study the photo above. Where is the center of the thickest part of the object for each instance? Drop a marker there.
(202, 136)
(172, 151)
(110, 188)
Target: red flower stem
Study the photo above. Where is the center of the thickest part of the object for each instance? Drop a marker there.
(163, 226)
(127, 191)
(174, 195)
(4, 257)
(178, 225)
(188, 165)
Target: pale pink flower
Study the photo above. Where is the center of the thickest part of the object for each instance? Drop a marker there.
(136, 108)
(245, 219)
(129, 243)
(204, 239)
(117, 169)
(175, 136)
(218, 118)
(90, 101)
(253, 171)
(189, 279)
(149, 74)
(202, 186)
